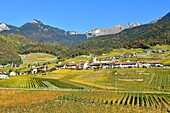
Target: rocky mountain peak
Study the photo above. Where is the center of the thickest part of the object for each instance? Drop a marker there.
(34, 21)
(3, 26)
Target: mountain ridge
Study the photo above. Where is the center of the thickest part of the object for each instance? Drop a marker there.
(143, 36)
(137, 37)
(37, 31)
(113, 30)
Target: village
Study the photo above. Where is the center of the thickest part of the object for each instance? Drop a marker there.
(94, 64)
(108, 63)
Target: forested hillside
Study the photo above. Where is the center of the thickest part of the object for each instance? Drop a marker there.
(39, 32)
(137, 37)
(14, 44)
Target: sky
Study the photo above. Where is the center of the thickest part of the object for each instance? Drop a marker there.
(82, 15)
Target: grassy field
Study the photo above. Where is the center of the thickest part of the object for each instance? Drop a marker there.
(34, 58)
(121, 51)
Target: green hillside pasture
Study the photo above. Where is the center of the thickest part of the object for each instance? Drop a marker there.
(167, 47)
(164, 61)
(79, 59)
(117, 52)
(33, 58)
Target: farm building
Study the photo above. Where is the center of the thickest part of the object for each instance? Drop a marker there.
(150, 64)
(39, 69)
(71, 66)
(95, 65)
(12, 73)
(61, 66)
(155, 64)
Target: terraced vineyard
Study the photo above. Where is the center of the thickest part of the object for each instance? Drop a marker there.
(33, 82)
(119, 79)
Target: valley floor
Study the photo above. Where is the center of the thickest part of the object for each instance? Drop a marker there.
(106, 91)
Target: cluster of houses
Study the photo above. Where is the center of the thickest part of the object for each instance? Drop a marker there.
(117, 57)
(33, 70)
(108, 64)
(156, 51)
(3, 75)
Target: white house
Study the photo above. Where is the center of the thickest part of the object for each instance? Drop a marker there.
(155, 64)
(129, 65)
(71, 66)
(86, 65)
(39, 69)
(143, 64)
(125, 64)
(95, 65)
(13, 73)
(3, 76)
(60, 66)
(80, 65)
(35, 70)
(150, 64)
(107, 65)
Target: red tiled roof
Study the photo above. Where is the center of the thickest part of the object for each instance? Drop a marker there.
(129, 63)
(118, 63)
(153, 62)
(95, 64)
(71, 64)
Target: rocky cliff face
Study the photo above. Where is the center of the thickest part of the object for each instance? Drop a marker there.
(113, 30)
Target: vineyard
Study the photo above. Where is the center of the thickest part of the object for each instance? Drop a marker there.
(110, 79)
(97, 101)
(88, 91)
(33, 82)
(119, 79)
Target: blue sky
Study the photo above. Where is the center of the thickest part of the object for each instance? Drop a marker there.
(82, 15)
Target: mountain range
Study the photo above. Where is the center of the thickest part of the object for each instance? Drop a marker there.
(113, 30)
(37, 31)
(35, 37)
(143, 36)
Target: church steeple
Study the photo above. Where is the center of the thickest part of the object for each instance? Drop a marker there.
(94, 58)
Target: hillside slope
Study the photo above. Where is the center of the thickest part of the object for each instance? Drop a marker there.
(14, 44)
(37, 31)
(138, 37)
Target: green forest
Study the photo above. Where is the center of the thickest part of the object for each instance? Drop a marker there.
(14, 44)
